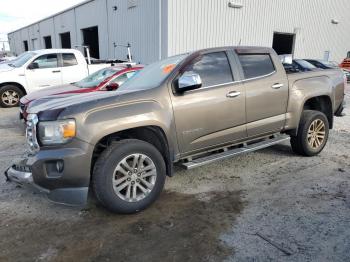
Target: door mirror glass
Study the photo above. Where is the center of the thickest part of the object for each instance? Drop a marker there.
(112, 86)
(33, 66)
(189, 81)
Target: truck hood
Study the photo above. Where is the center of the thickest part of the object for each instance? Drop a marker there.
(66, 100)
(5, 68)
(56, 91)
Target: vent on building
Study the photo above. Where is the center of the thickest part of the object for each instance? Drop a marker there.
(131, 4)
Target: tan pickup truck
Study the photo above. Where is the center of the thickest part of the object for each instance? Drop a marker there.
(190, 110)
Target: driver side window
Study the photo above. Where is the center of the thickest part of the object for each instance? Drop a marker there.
(213, 68)
(47, 61)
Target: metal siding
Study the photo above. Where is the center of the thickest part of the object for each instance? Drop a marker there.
(138, 26)
(34, 34)
(93, 14)
(63, 23)
(47, 29)
(195, 24)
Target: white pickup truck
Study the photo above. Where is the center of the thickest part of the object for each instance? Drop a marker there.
(35, 70)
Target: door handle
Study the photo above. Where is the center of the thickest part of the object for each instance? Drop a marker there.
(233, 94)
(277, 86)
(56, 71)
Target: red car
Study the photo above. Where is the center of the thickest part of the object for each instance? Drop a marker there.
(107, 79)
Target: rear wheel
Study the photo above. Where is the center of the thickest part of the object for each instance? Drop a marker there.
(312, 133)
(129, 176)
(10, 96)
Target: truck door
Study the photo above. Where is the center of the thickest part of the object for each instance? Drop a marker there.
(72, 71)
(215, 113)
(43, 72)
(266, 88)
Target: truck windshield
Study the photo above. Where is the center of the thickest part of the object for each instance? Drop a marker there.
(96, 78)
(153, 75)
(22, 59)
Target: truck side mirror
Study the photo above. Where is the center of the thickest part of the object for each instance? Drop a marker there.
(188, 81)
(33, 66)
(112, 86)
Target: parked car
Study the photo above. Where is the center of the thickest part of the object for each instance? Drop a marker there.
(323, 64)
(35, 70)
(190, 109)
(299, 65)
(106, 79)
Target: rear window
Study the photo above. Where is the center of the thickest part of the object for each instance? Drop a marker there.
(255, 65)
(69, 60)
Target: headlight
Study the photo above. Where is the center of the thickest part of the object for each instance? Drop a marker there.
(56, 132)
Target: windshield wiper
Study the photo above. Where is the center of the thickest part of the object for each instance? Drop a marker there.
(12, 65)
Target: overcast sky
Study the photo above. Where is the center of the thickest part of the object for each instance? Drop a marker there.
(17, 13)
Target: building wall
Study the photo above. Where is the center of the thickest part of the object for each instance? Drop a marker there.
(93, 14)
(205, 23)
(64, 23)
(138, 25)
(160, 28)
(47, 28)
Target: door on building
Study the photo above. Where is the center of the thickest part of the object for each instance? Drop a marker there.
(25, 44)
(283, 43)
(65, 40)
(90, 39)
(48, 42)
(35, 44)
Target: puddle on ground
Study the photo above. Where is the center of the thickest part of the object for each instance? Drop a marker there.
(176, 228)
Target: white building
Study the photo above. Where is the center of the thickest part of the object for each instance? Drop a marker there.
(161, 28)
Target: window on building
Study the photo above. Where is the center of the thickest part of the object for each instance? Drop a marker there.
(213, 68)
(25, 44)
(255, 65)
(69, 60)
(48, 42)
(47, 61)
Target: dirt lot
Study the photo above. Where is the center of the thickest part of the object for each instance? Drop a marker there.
(268, 205)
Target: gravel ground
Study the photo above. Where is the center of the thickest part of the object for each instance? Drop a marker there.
(267, 205)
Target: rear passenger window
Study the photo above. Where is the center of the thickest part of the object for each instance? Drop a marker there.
(69, 60)
(213, 68)
(256, 65)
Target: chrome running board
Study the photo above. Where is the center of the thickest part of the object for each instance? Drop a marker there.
(227, 152)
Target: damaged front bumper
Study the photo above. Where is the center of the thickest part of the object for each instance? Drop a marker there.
(22, 175)
(63, 174)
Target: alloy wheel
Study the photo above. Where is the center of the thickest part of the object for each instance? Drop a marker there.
(10, 98)
(134, 177)
(316, 134)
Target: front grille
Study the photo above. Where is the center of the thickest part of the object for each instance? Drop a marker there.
(31, 133)
(20, 168)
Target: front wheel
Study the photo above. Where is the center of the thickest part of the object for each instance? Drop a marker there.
(129, 176)
(10, 96)
(312, 133)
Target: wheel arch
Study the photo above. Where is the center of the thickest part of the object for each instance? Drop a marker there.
(14, 84)
(151, 134)
(322, 104)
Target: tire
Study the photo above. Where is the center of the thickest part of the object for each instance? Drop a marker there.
(310, 144)
(10, 96)
(111, 166)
